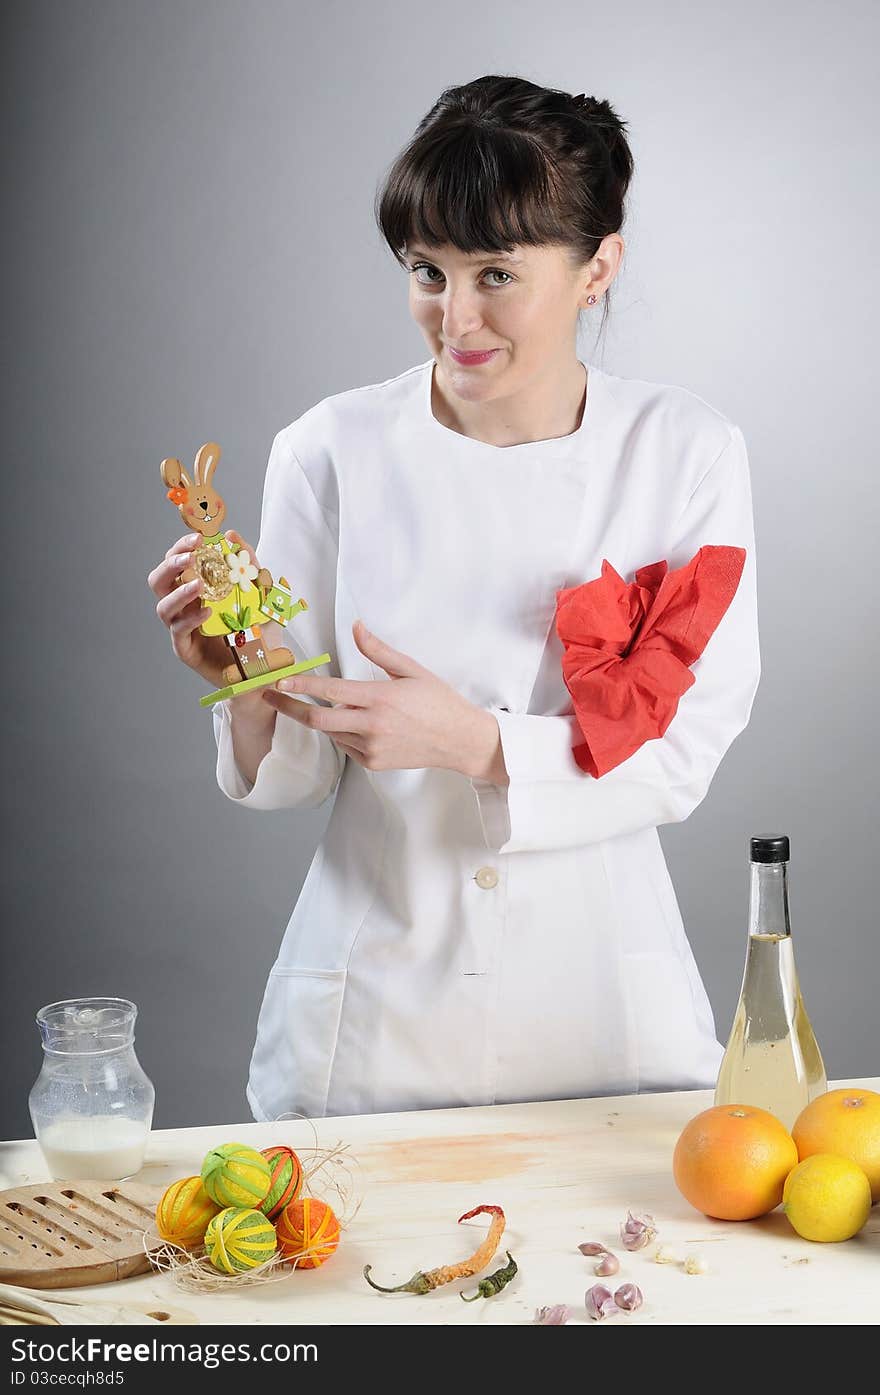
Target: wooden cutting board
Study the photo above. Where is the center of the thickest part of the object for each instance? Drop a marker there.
(66, 1234)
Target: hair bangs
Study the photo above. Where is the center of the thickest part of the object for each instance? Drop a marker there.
(479, 188)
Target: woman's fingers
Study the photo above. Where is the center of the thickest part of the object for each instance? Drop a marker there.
(189, 644)
(349, 748)
(340, 723)
(347, 722)
(162, 580)
(184, 544)
(182, 610)
(173, 602)
(352, 692)
(272, 633)
(243, 543)
(189, 619)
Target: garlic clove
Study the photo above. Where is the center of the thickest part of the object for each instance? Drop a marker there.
(554, 1316)
(629, 1297)
(599, 1303)
(637, 1231)
(592, 1247)
(695, 1264)
(608, 1264)
(666, 1255)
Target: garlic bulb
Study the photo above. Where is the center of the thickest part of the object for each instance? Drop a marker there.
(637, 1231)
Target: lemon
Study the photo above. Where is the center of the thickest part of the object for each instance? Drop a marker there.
(827, 1197)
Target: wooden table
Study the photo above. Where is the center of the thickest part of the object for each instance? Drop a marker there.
(564, 1172)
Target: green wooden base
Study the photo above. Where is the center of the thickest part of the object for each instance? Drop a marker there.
(262, 679)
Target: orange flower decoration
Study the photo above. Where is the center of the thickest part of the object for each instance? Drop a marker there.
(629, 648)
(177, 495)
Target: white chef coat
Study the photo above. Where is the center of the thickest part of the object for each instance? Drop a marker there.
(456, 942)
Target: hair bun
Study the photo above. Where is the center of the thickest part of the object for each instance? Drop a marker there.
(606, 125)
(598, 109)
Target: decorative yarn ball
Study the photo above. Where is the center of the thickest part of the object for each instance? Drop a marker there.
(239, 1238)
(235, 1175)
(308, 1232)
(286, 1179)
(184, 1211)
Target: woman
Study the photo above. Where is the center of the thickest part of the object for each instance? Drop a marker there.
(485, 921)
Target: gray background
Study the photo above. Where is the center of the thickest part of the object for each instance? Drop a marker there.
(192, 255)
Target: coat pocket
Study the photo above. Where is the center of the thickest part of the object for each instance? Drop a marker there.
(296, 1040)
(675, 1049)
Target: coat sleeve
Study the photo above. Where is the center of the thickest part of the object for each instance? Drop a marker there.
(550, 802)
(302, 767)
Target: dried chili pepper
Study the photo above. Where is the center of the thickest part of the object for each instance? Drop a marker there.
(434, 1278)
(494, 1283)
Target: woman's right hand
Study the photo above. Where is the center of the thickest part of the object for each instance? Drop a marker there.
(181, 611)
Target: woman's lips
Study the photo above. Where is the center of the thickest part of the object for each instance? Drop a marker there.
(480, 356)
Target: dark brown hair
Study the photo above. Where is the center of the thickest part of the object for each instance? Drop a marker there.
(501, 161)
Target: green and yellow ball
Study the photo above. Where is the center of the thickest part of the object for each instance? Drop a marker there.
(286, 1181)
(235, 1175)
(239, 1238)
(308, 1232)
(184, 1211)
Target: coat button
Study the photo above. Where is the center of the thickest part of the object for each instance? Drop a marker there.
(487, 878)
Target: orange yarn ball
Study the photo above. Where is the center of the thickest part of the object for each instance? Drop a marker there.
(308, 1232)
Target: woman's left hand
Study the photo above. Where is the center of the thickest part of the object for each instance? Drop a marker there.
(412, 722)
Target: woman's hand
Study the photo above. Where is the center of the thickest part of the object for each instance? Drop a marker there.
(412, 722)
(181, 610)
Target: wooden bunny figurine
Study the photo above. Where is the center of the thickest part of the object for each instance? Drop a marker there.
(240, 597)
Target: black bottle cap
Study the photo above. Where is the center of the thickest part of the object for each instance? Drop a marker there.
(770, 849)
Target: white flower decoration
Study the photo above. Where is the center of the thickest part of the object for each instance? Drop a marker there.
(241, 569)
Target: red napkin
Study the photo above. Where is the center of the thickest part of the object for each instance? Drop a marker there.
(628, 648)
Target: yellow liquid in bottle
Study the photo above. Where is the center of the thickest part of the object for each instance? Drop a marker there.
(772, 1058)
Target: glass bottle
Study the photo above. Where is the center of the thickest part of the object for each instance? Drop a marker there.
(91, 1105)
(772, 1059)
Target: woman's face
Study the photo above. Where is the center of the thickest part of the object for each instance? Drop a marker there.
(523, 306)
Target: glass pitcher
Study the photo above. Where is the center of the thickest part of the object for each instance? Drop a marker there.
(91, 1105)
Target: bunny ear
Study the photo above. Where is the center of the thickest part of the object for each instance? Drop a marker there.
(174, 475)
(206, 462)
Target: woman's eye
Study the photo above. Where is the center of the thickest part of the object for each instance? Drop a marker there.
(423, 266)
(428, 279)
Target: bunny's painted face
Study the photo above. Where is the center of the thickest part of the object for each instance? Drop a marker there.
(198, 502)
(203, 510)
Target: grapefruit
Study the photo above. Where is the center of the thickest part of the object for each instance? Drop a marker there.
(845, 1122)
(732, 1160)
